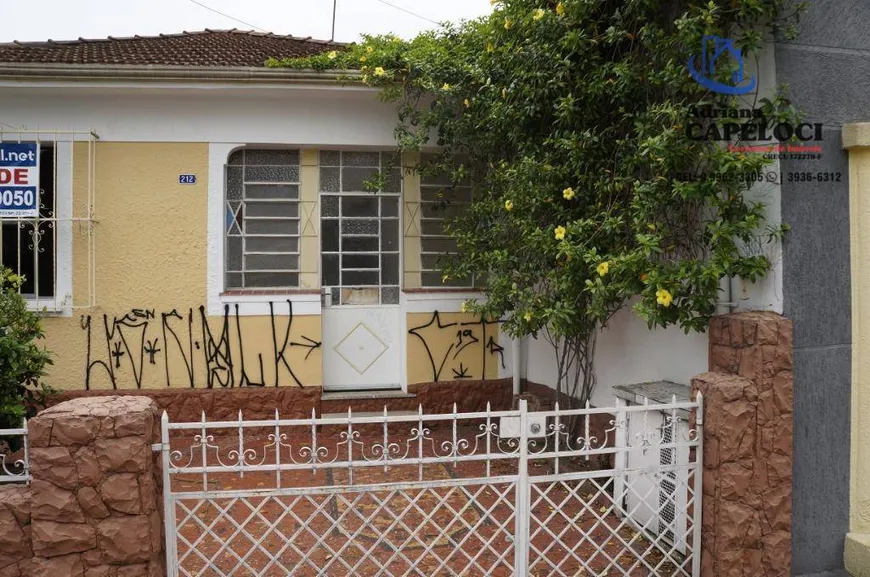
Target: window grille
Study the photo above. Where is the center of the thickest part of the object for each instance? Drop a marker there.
(262, 219)
(441, 200)
(39, 248)
(359, 228)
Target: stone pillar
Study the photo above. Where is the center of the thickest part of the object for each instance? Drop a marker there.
(15, 551)
(95, 489)
(748, 433)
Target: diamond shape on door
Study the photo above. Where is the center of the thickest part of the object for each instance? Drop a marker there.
(360, 348)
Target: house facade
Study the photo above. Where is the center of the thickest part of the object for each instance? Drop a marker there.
(208, 235)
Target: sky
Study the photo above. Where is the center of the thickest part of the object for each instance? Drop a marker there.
(36, 20)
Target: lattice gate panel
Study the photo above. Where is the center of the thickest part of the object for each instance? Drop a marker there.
(449, 530)
(433, 495)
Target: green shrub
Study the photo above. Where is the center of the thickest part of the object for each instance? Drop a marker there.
(22, 361)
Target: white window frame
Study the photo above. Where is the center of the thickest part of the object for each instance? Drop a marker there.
(249, 304)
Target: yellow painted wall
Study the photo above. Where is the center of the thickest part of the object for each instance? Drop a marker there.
(149, 328)
(451, 346)
(150, 240)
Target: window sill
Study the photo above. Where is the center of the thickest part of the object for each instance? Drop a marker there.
(438, 299)
(268, 292)
(441, 290)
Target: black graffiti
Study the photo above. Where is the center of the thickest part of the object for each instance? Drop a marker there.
(466, 336)
(225, 363)
(461, 372)
(495, 348)
(151, 349)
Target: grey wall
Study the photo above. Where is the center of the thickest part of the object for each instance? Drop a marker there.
(827, 70)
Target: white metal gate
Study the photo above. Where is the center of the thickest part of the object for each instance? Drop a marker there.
(488, 493)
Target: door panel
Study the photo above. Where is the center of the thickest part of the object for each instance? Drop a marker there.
(361, 348)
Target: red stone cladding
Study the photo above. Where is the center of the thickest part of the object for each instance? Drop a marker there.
(15, 548)
(748, 433)
(185, 405)
(95, 492)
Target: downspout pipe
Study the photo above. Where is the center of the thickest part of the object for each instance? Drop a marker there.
(517, 363)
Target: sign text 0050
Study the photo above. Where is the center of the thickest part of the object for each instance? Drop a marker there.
(19, 179)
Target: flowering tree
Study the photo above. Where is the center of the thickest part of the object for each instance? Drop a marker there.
(590, 193)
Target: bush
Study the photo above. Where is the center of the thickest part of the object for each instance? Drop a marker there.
(22, 361)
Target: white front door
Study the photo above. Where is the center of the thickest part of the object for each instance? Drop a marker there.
(360, 266)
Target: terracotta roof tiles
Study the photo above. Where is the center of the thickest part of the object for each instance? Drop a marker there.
(240, 48)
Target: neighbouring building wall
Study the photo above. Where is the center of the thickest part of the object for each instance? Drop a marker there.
(825, 70)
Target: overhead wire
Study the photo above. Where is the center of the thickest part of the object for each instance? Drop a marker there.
(209, 8)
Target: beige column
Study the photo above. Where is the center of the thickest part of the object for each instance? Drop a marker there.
(856, 139)
(411, 221)
(309, 249)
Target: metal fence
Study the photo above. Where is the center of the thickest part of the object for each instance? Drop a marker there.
(14, 458)
(488, 493)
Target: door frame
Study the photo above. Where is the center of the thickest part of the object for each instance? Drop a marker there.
(403, 317)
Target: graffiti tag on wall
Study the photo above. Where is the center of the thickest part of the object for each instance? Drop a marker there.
(212, 353)
(468, 338)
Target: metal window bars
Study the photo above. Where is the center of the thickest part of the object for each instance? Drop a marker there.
(40, 248)
(427, 494)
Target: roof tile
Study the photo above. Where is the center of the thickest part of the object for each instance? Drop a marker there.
(240, 48)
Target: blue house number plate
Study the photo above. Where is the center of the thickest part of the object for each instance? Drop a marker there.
(186, 179)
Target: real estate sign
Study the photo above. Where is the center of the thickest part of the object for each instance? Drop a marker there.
(19, 179)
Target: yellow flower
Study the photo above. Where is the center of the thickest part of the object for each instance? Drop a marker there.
(539, 13)
(664, 298)
(508, 205)
(332, 55)
(560, 232)
(379, 71)
(560, 9)
(568, 193)
(507, 23)
(467, 103)
(603, 268)
(445, 87)
(528, 317)
(369, 49)
(464, 307)
(362, 58)
(446, 278)
(489, 47)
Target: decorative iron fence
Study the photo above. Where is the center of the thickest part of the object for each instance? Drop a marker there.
(487, 493)
(14, 458)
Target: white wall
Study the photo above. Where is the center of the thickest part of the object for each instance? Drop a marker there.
(285, 115)
(627, 353)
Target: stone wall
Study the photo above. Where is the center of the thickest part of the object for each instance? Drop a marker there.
(184, 405)
(15, 548)
(748, 432)
(95, 492)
